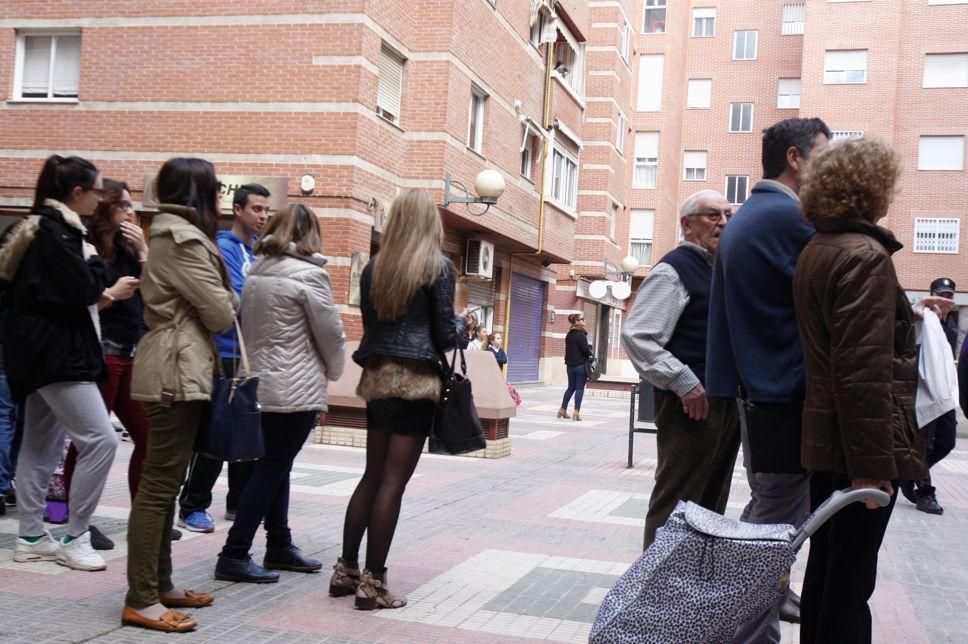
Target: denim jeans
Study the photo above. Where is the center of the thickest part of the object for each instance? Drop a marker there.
(266, 493)
(576, 386)
(11, 431)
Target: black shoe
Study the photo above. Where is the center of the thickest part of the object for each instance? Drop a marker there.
(176, 534)
(12, 497)
(98, 540)
(907, 489)
(929, 503)
(244, 570)
(789, 611)
(3, 507)
(291, 558)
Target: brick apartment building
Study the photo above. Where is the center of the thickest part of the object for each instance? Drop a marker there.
(602, 116)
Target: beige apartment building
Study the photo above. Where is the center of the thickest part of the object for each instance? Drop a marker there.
(600, 116)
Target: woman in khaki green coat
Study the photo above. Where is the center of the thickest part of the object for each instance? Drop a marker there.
(187, 298)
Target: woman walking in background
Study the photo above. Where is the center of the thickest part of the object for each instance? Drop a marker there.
(859, 426)
(407, 294)
(577, 353)
(294, 339)
(53, 358)
(187, 298)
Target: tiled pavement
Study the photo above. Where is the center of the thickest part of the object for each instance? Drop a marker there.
(513, 550)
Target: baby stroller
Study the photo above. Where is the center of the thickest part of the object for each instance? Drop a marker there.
(705, 575)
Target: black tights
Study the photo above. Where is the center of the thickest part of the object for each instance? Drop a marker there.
(375, 504)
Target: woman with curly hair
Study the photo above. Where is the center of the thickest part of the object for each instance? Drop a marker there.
(859, 426)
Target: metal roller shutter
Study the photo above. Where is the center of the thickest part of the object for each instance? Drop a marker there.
(524, 345)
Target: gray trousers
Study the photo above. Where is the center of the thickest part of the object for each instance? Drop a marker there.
(77, 410)
(775, 498)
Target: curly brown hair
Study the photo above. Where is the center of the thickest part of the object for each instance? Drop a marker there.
(850, 179)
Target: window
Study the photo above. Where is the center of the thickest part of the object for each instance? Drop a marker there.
(941, 153)
(737, 189)
(614, 214)
(845, 135)
(793, 17)
(538, 28)
(694, 165)
(650, 83)
(390, 85)
(641, 226)
(936, 235)
(788, 93)
(475, 119)
(744, 45)
(699, 93)
(48, 65)
(655, 15)
(528, 153)
(564, 176)
(740, 117)
(704, 22)
(847, 66)
(570, 60)
(626, 43)
(621, 125)
(646, 168)
(946, 70)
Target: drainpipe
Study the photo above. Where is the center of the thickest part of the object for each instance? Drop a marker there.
(546, 122)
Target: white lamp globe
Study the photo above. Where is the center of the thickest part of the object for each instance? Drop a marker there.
(621, 290)
(598, 289)
(489, 185)
(629, 264)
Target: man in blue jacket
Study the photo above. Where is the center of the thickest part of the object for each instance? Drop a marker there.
(753, 349)
(250, 206)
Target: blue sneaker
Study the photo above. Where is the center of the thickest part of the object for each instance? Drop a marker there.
(197, 522)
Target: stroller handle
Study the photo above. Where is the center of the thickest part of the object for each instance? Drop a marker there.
(837, 501)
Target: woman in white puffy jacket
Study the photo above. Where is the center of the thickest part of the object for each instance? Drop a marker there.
(294, 339)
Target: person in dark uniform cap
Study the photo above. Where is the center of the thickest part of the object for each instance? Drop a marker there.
(939, 434)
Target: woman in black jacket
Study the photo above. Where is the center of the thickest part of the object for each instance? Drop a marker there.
(577, 353)
(53, 358)
(407, 300)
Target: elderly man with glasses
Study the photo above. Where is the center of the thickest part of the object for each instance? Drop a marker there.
(665, 337)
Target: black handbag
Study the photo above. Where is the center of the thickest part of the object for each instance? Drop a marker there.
(591, 369)
(233, 432)
(457, 427)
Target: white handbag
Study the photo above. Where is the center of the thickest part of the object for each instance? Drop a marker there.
(937, 375)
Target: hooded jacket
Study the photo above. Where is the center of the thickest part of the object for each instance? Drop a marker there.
(183, 270)
(50, 334)
(292, 331)
(857, 331)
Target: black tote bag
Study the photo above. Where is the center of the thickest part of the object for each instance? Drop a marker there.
(457, 427)
(233, 432)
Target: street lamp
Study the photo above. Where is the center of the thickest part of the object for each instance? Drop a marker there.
(621, 290)
(489, 186)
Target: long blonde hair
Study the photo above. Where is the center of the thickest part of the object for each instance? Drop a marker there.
(410, 253)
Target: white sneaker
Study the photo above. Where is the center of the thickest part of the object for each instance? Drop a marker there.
(79, 555)
(45, 549)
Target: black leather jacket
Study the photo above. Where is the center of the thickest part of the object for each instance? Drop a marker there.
(424, 333)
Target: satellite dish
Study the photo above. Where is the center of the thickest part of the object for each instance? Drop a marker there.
(598, 289)
(621, 290)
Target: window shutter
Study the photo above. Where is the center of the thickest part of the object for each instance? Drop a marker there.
(793, 17)
(67, 66)
(390, 87)
(699, 93)
(941, 153)
(646, 145)
(36, 71)
(641, 224)
(788, 93)
(946, 70)
(650, 83)
(694, 159)
(704, 12)
(839, 60)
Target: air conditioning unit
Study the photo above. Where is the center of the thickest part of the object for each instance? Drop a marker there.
(479, 259)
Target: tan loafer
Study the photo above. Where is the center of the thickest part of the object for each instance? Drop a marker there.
(171, 622)
(191, 599)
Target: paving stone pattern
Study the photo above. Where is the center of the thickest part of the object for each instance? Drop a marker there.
(512, 550)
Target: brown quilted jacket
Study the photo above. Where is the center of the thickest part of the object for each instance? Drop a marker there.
(857, 330)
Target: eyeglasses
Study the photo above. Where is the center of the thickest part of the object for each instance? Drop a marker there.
(714, 215)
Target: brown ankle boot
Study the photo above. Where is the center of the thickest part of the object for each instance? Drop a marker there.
(372, 593)
(345, 580)
(575, 416)
(562, 413)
